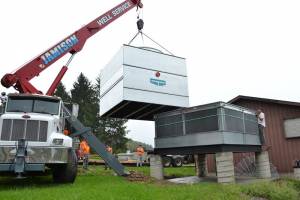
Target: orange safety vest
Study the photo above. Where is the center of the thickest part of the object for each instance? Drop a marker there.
(140, 151)
(84, 147)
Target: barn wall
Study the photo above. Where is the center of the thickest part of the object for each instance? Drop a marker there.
(283, 151)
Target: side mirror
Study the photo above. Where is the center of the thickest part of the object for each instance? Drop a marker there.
(75, 109)
(72, 108)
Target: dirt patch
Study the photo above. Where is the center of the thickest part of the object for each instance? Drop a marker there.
(137, 177)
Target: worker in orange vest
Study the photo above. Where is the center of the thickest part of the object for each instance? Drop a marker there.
(140, 153)
(85, 149)
(109, 150)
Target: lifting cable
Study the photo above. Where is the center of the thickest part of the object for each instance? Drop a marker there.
(140, 26)
(158, 44)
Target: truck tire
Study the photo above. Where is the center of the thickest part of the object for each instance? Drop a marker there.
(177, 162)
(66, 173)
(167, 161)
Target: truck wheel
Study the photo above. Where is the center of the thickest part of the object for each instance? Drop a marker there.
(66, 173)
(167, 161)
(177, 162)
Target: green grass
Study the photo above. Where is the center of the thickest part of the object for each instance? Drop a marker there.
(169, 172)
(278, 190)
(95, 157)
(97, 183)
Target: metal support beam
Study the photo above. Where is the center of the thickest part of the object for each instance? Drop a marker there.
(207, 149)
(94, 143)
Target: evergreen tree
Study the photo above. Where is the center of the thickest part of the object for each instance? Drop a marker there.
(113, 132)
(62, 93)
(85, 96)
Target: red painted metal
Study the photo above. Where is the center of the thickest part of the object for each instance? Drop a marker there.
(25, 86)
(57, 80)
(157, 74)
(71, 44)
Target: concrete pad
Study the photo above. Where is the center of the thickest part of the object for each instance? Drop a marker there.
(187, 180)
(213, 179)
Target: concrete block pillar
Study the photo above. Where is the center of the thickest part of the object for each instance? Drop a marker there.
(225, 167)
(201, 165)
(156, 167)
(262, 161)
(297, 173)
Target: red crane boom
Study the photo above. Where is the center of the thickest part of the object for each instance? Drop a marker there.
(71, 44)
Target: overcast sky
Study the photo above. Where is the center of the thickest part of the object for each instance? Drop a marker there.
(233, 47)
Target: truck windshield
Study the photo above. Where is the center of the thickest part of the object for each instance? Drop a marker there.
(44, 106)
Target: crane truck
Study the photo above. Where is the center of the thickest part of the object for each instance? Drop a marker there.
(32, 124)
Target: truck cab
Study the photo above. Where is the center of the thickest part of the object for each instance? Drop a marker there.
(32, 137)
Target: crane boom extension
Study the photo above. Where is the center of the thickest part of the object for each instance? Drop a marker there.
(71, 44)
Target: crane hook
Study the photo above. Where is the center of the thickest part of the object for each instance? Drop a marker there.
(140, 24)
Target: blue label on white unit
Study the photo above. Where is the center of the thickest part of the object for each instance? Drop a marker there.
(158, 82)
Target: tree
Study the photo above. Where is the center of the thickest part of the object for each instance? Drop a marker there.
(111, 131)
(62, 93)
(85, 96)
(132, 145)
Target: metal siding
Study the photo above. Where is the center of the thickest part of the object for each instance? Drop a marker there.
(108, 73)
(112, 98)
(150, 97)
(138, 78)
(132, 76)
(202, 125)
(200, 139)
(155, 61)
(116, 78)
